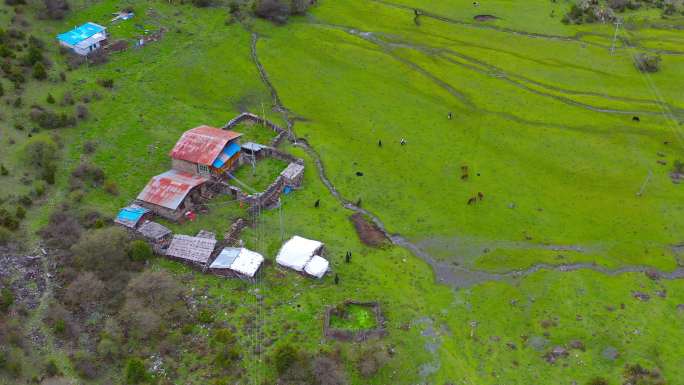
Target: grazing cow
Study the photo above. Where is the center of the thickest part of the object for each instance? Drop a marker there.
(337, 279)
(636, 119)
(317, 203)
(402, 141)
(450, 116)
(359, 173)
(480, 196)
(379, 143)
(358, 203)
(472, 200)
(347, 258)
(464, 176)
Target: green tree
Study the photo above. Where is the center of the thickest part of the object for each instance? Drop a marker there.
(140, 251)
(135, 371)
(39, 71)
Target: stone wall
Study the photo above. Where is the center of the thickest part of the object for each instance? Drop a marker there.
(359, 335)
(282, 134)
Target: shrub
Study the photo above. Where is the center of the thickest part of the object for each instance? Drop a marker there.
(62, 230)
(328, 370)
(2, 90)
(5, 235)
(276, 11)
(3, 170)
(101, 251)
(21, 212)
(33, 56)
(205, 316)
(678, 167)
(86, 173)
(89, 147)
(647, 63)
(106, 83)
(111, 187)
(84, 292)
(6, 299)
(39, 188)
(56, 9)
(51, 368)
(285, 357)
(81, 111)
(85, 364)
(51, 120)
(39, 71)
(372, 360)
(135, 371)
(201, 3)
(598, 381)
(140, 251)
(40, 151)
(50, 99)
(7, 220)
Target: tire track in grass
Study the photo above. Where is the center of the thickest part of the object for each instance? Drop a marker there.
(445, 272)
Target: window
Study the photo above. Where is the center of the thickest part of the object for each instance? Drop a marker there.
(203, 169)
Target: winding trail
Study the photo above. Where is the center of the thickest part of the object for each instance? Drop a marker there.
(445, 272)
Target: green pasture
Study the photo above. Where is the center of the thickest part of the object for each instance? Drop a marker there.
(541, 116)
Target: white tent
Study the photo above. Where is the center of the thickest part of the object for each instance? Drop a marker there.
(297, 252)
(317, 266)
(240, 260)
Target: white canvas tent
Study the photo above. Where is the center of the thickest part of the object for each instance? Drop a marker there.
(298, 252)
(317, 266)
(240, 260)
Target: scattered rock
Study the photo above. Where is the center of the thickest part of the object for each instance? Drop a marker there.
(680, 307)
(577, 345)
(537, 343)
(661, 293)
(610, 353)
(652, 274)
(641, 296)
(555, 354)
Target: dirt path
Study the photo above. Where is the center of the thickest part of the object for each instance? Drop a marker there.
(445, 272)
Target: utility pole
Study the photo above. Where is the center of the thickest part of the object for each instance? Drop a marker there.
(618, 23)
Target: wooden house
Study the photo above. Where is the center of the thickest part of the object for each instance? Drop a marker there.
(206, 151)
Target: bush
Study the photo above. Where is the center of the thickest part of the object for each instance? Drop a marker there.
(328, 370)
(89, 147)
(205, 316)
(62, 230)
(285, 357)
(140, 251)
(3, 170)
(7, 220)
(647, 63)
(598, 381)
(56, 9)
(20, 213)
(678, 167)
(106, 83)
(101, 251)
(135, 371)
(51, 120)
(6, 299)
(5, 235)
(201, 3)
(372, 360)
(111, 187)
(277, 11)
(50, 99)
(39, 71)
(85, 364)
(34, 56)
(81, 111)
(86, 173)
(40, 151)
(51, 368)
(84, 292)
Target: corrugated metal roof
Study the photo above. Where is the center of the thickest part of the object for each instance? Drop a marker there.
(153, 230)
(226, 258)
(253, 147)
(80, 33)
(170, 188)
(292, 170)
(202, 144)
(129, 216)
(227, 153)
(193, 249)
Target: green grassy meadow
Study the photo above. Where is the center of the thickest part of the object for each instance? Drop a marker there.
(542, 117)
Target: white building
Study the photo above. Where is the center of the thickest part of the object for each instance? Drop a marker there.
(84, 39)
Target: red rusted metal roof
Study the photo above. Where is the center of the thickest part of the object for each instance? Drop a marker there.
(202, 144)
(170, 188)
